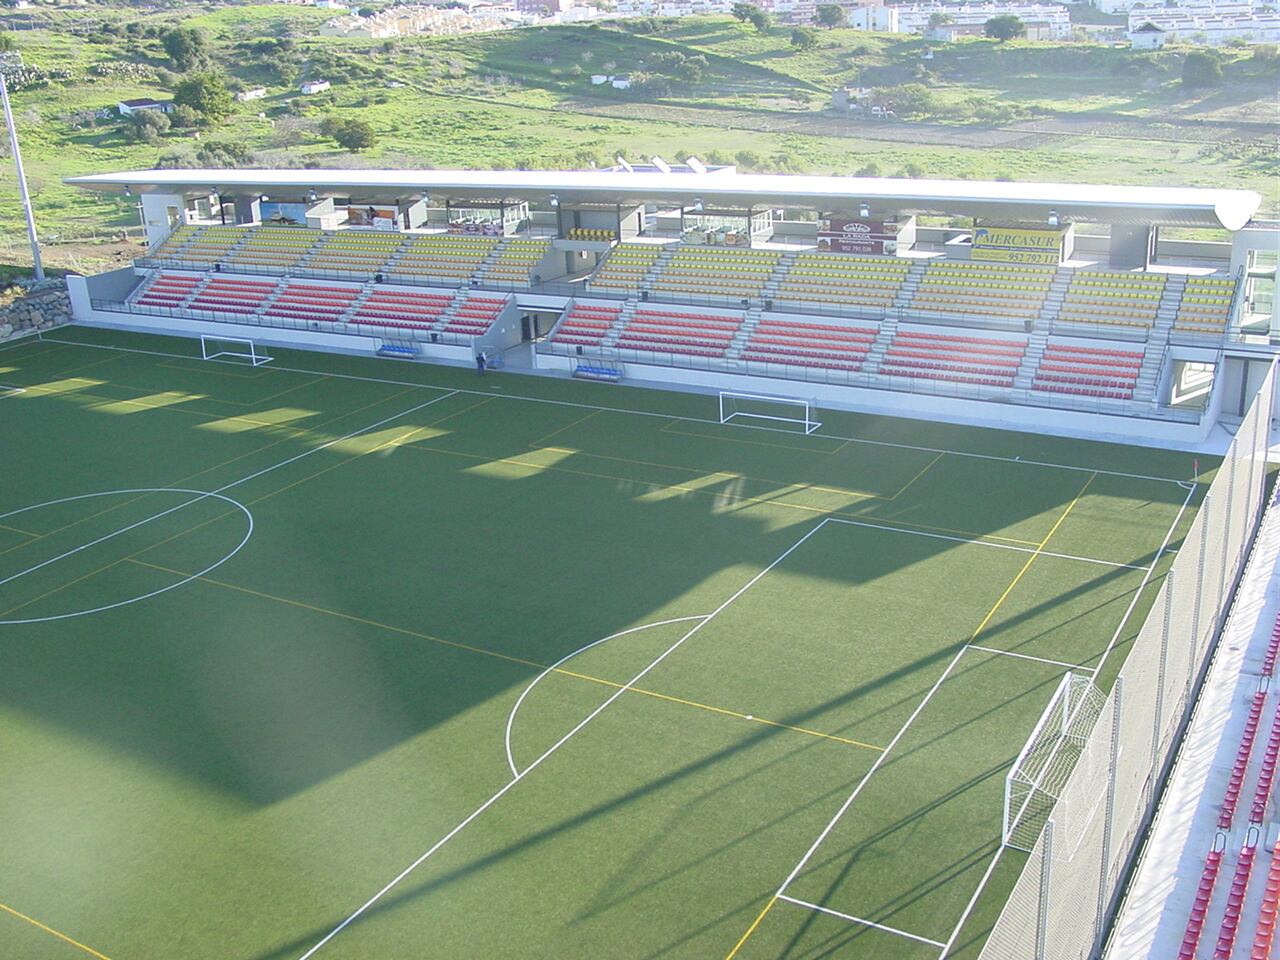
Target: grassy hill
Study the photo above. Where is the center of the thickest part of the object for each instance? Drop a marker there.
(709, 86)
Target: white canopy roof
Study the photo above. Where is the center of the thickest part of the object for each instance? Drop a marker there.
(1172, 206)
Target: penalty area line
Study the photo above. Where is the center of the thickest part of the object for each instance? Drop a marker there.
(860, 921)
(364, 907)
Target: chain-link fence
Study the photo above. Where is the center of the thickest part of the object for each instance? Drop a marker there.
(1062, 902)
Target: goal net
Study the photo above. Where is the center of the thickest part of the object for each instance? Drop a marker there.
(1040, 773)
(735, 407)
(233, 348)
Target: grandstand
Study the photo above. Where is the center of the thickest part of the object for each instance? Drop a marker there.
(758, 645)
(1029, 314)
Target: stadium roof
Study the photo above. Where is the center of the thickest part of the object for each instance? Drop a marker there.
(1168, 206)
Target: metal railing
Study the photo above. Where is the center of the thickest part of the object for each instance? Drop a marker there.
(921, 386)
(369, 330)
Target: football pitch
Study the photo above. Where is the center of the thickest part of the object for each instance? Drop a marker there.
(356, 659)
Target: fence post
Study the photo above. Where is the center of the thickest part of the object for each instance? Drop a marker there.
(1042, 915)
(1108, 813)
(1251, 511)
(1158, 737)
(1221, 606)
(1205, 511)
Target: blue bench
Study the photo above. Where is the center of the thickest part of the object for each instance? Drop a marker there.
(398, 352)
(598, 372)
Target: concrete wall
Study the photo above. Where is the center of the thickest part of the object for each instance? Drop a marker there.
(1064, 423)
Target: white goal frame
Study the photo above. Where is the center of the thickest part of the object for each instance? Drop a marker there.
(806, 421)
(1039, 775)
(253, 356)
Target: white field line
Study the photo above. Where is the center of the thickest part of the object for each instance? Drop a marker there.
(844, 807)
(1026, 656)
(781, 891)
(556, 746)
(999, 853)
(211, 493)
(987, 543)
(6, 390)
(946, 948)
(646, 413)
(165, 589)
(511, 718)
(859, 920)
(1145, 580)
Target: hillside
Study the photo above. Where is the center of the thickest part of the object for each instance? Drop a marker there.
(709, 86)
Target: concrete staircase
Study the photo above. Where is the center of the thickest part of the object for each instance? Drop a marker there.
(659, 265)
(1025, 375)
(738, 345)
(1175, 285)
(910, 284)
(1144, 390)
(779, 273)
(1054, 299)
(624, 317)
(880, 345)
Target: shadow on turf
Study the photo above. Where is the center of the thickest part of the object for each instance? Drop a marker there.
(411, 893)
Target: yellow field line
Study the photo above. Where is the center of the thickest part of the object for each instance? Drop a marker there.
(738, 498)
(25, 533)
(209, 469)
(1031, 559)
(728, 713)
(301, 604)
(927, 467)
(752, 929)
(52, 932)
(70, 583)
(311, 476)
(568, 426)
(753, 443)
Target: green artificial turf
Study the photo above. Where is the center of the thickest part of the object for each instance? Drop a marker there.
(228, 721)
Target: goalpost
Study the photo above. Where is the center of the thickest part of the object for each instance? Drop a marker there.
(236, 348)
(1035, 782)
(759, 406)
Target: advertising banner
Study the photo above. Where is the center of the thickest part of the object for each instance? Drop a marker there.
(278, 212)
(857, 236)
(384, 218)
(1018, 244)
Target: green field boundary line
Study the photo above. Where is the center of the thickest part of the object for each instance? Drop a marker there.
(648, 413)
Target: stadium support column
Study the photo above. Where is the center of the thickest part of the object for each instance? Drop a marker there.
(22, 181)
(1132, 247)
(1046, 868)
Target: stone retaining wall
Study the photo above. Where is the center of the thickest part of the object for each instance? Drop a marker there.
(34, 306)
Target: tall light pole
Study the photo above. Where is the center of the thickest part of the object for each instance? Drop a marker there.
(8, 61)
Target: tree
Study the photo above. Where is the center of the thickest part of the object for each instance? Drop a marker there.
(186, 47)
(940, 19)
(207, 95)
(146, 126)
(742, 11)
(1005, 27)
(802, 38)
(7, 43)
(831, 16)
(354, 135)
(761, 20)
(184, 116)
(1201, 69)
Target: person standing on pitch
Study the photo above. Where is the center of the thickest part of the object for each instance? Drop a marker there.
(481, 360)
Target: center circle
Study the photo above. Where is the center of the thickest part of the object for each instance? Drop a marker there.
(193, 498)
